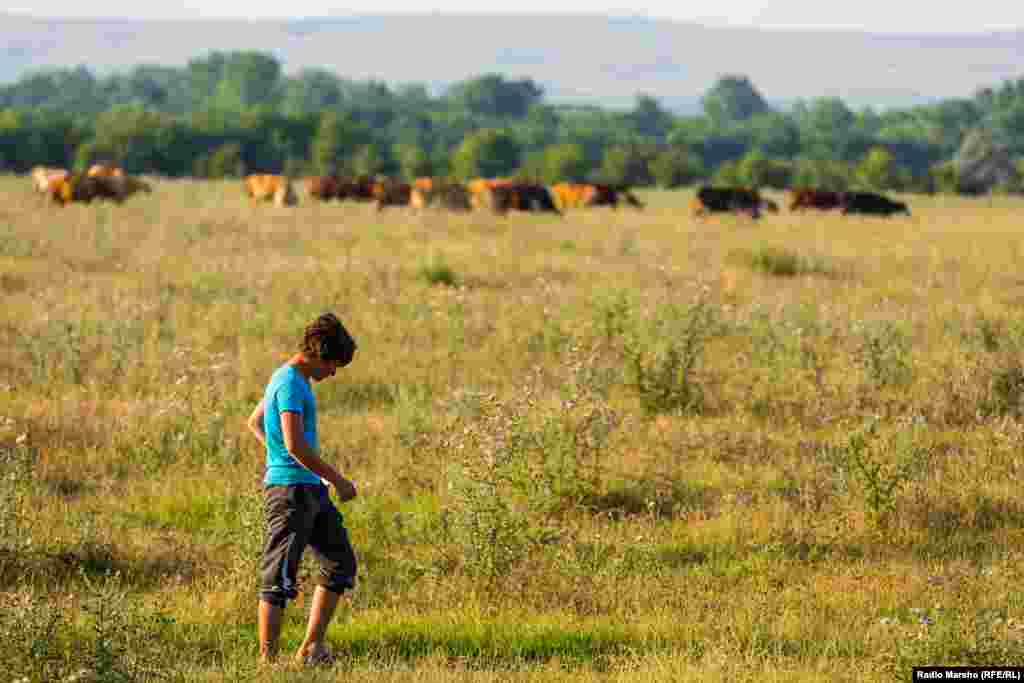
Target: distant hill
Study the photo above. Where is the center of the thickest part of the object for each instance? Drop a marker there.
(577, 59)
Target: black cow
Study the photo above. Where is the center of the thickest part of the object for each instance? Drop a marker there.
(728, 200)
(522, 197)
(872, 204)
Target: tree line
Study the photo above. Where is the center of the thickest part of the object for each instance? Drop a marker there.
(229, 113)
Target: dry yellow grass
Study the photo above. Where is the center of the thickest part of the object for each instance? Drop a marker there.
(724, 545)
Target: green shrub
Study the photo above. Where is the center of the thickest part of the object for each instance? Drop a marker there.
(412, 403)
(1006, 389)
(880, 479)
(663, 371)
(783, 262)
(436, 271)
(885, 354)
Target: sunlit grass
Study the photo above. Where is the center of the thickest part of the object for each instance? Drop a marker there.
(752, 535)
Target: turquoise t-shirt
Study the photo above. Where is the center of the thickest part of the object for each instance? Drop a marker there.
(288, 390)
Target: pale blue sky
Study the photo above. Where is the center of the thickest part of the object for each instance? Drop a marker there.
(913, 16)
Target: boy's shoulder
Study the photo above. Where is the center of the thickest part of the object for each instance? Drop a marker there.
(287, 375)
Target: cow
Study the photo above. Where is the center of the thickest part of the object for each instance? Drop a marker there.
(43, 175)
(480, 190)
(390, 192)
(599, 194)
(84, 188)
(452, 196)
(521, 197)
(574, 195)
(810, 198)
(358, 188)
(872, 204)
(571, 195)
(267, 187)
(321, 187)
(105, 170)
(728, 200)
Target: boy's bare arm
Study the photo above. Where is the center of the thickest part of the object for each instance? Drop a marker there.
(295, 442)
(255, 422)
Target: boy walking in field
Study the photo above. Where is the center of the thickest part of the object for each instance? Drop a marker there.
(299, 511)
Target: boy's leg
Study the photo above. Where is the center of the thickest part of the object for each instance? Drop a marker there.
(320, 614)
(330, 545)
(290, 512)
(269, 621)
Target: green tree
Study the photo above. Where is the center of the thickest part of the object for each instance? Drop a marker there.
(825, 174)
(626, 165)
(335, 139)
(368, 160)
(728, 173)
(131, 136)
(877, 170)
(731, 99)
(774, 134)
(413, 160)
(648, 118)
(310, 92)
(492, 95)
(234, 80)
(826, 128)
(984, 165)
(757, 170)
(250, 79)
(675, 167)
(564, 162)
(223, 162)
(486, 153)
(943, 177)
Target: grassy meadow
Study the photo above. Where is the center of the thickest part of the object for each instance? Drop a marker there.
(618, 445)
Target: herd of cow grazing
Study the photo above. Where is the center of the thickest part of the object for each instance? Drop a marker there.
(500, 195)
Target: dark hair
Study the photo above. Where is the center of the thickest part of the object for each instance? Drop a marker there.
(327, 339)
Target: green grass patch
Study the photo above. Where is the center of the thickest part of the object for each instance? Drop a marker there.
(211, 516)
(436, 271)
(782, 262)
(492, 644)
(354, 397)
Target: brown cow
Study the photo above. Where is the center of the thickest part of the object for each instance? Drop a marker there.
(811, 198)
(358, 188)
(321, 187)
(105, 170)
(452, 196)
(85, 188)
(267, 187)
(571, 195)
(576, 195)
(480, 190)
(390, 192)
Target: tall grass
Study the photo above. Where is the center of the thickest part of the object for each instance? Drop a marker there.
(615, 445)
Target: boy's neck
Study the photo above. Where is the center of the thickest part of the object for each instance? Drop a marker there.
(301, 363)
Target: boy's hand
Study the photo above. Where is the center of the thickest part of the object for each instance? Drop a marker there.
(346, 489)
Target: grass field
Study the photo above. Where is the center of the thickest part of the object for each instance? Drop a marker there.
(627, 446)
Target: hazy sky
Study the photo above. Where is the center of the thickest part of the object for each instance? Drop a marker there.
(913, 16)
